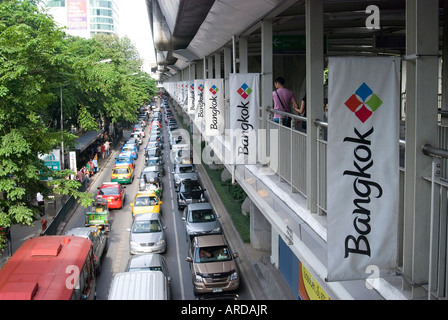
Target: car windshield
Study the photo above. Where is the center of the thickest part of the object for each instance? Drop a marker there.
(145, 201)
(128, 148)
(190, 188)
(121, 170)
(108, 191)
(122, 160)
(185, 169)
(199, 216)
(154, 268)
(212, 254)
(146, 226)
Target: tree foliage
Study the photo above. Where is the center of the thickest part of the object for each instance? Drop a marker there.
(39, 64)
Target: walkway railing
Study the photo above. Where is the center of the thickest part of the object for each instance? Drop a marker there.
(438, 246)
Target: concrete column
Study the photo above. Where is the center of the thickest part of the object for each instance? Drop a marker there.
(227, 71)
(243, 55)
(421, 127)
(218, 66)
(314, 93)
(275, 251)
(210, 67)
(266, 81)
(260, 229)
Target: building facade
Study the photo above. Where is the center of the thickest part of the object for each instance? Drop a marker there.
(84, 18)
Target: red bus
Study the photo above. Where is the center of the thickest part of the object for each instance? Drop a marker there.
(50, 268)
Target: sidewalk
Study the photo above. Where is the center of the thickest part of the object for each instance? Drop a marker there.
(21, 233)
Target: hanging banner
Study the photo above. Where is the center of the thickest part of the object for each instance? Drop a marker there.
(244, 104)
(362, 166)
(184, 102)
(191, 105)
(214, 107)
(199, 101)
(76, 14)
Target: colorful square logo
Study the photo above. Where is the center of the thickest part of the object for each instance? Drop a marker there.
(364, 103)
(214, 89)
(244, 91)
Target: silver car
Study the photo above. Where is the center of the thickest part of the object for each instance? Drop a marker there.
(147, 234)
(201, 219)
(99, 242)
(184, 172)
(148, 262)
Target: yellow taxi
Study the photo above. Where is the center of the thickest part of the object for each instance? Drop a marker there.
(122, 174)
(146, 202)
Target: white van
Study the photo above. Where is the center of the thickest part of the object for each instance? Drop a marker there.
(140, 285)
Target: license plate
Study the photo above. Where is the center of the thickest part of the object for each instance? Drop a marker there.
(109, 200)
(217, 289)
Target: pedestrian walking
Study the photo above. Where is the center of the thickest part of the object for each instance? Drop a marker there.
(95, 164)
(80, 175)
(107, 146)
(89, 168)
(40, 203)
(103, 150)
(283, 98)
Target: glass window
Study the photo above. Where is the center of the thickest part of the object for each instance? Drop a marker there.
(56, 3)
(101, 3)
(146, 226)
(101, 12)
(212, 254)
(198, 216)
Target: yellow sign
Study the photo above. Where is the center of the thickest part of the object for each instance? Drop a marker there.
(309, 288)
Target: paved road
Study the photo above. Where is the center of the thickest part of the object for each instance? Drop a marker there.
(118, 254)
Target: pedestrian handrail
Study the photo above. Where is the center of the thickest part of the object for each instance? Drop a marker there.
(429, 150)
(288, 114)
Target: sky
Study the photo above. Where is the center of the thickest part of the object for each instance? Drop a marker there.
(134, 23)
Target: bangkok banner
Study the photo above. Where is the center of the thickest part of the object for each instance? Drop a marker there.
(244, 104)
(191, 106)
(214, 107)
(199, 103)
(184, 102)
(362, 166)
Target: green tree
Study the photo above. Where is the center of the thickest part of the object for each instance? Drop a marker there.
(29, 68)
(39, 65)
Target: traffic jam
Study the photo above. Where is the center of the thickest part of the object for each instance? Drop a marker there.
(212, 263)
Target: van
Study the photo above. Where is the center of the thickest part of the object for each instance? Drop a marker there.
(140, 285)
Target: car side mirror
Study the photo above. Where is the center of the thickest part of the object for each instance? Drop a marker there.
(189, 259)
(128, 229)
(236, 255)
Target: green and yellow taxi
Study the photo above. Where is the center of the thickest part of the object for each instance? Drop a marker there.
(146, 202)
(122, 174)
